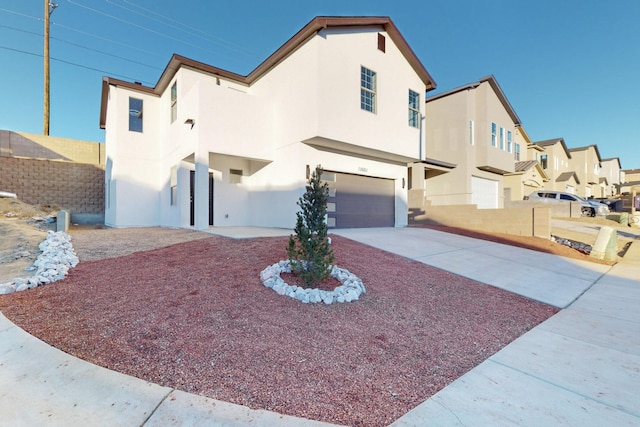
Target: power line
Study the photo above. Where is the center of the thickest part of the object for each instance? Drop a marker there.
(74, 64)
(147, 29)
(83, 47)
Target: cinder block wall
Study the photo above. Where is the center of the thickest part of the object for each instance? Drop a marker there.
(64, 173)
(526, 221)
(76, 187)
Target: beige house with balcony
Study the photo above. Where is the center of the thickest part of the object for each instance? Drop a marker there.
(585, 161)
(528, 175)
(474, 128)
(611, 171)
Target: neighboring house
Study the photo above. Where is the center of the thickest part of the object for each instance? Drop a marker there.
(585, 162)
(554, 160)
(472, 127)
(630, 179)
(611, 171)
(528, 175)
(206, 146)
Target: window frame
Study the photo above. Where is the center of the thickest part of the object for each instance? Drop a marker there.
(509, 141)
(494, 134)
(414, 109)
(174, 101)
(134, 120)
(544, 161)
(501, 138)
(368, 90)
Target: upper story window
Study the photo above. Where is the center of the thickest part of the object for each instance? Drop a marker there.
(509, 140)
(135, 114)
(414, 109)
(595, 168)
(543, 161)
(368, 87)
(494, 140)
(502, 138)
(174, 102)
(516, 149)
(472, 133)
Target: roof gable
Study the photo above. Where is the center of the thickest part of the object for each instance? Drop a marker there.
(595, 147)
(491, 80)
(301, 37)
(550, 142)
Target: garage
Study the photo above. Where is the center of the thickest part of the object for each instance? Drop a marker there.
(484, 193)
(359, 201)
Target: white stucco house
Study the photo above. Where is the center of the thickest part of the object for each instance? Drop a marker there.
(206, 146)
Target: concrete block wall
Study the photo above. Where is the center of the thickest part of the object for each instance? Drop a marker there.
(518, 221)
(76, 187)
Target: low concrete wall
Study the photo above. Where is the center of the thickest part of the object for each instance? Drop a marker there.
(558, 209)
(518, 221)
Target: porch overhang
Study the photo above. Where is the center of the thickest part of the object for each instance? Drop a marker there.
(352, 150)
(494, 169)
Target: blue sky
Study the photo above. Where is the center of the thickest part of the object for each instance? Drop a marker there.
(568, 67)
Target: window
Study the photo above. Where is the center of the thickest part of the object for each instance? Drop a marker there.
(367, 89)
(135, 115)
(509, 140)
(516, 149)
(472, 133)
(494, 142)
(502, 138)
(174, 185)
(543, 161)
(235, 176)
(381, 42)
(414, 109)
(174, 102)
(555, 163)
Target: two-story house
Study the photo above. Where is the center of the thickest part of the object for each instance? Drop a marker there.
(206, 146)
(554, 160)
(585, 161)
(528, 175)
(611, 171)
(472, 127)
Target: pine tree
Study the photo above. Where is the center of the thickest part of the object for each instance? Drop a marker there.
(308, 250)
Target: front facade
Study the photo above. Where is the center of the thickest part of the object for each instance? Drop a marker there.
(585, 161)
(474, 128)
(611, 171)
(554, 160)
(217, 148)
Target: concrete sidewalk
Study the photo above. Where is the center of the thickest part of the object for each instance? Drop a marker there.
(580, 367)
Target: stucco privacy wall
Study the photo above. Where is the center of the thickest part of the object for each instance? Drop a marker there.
(60, 172)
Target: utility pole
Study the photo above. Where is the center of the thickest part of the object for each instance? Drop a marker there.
(48, 9)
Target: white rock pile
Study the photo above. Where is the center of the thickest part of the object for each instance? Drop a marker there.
(350, 289)
(52, 264)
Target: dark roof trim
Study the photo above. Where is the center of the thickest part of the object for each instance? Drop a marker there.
(496, 88)
(300, 38)
(586, 148)
(617, 159)
(548, 142)
(440, 163)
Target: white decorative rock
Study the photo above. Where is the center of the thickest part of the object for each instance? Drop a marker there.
(350, 289)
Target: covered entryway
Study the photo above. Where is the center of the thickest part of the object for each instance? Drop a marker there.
(484, 193)
(359, 201)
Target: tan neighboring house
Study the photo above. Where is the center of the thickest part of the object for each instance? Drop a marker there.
(472, 127)
(528, 175)
(630, 178)
(585, 161)
(611, 171)
(554, 160)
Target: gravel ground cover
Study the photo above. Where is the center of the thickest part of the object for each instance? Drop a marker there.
(196, 317)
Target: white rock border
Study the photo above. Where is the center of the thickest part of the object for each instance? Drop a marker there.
(52, 264)
(350, 289)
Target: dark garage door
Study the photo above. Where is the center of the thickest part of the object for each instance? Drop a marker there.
(360, 201)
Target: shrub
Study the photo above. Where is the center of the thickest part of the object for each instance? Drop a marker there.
(308, 249)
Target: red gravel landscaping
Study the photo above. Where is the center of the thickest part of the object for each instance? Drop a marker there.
(196, 317)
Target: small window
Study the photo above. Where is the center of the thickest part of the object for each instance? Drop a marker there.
(516, 154)
(368, 89)
(509, 141)
(502, 138)
(235, 176)
(174, 102)
(414, 109)
(472, 133)
(135, 115)
(382, 42)
(174, 185)
(543, 161)
(494, 139)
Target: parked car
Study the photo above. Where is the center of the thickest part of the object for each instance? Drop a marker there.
(589, 207)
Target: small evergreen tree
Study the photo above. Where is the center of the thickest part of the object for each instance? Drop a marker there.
(309, 251)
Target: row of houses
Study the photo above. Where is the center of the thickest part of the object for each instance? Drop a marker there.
(209, 147)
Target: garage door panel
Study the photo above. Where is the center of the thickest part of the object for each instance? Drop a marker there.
(362, 202)
(484, 193)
